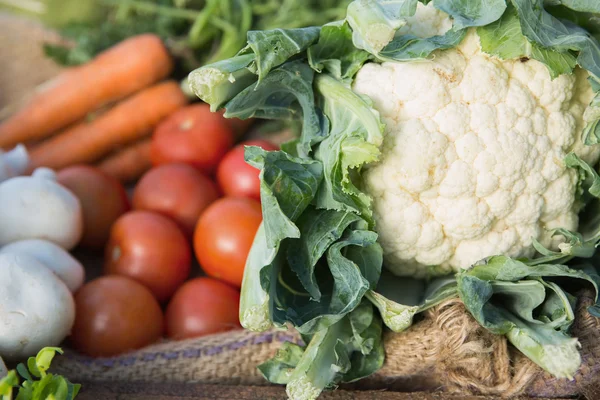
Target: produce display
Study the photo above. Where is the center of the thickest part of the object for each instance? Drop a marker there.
(440, 150)
(148, 290)
(63, 189)
(147, 238)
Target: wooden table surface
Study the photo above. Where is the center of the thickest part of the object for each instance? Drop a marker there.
(142, 391)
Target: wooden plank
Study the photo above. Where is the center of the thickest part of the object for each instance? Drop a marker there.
(144, 391)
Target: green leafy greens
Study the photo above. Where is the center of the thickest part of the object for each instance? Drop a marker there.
(316, 263)
(503, 38)
(528, 305)
(196, 31)
(38, 383)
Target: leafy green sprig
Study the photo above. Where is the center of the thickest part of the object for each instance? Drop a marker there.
(38, 383)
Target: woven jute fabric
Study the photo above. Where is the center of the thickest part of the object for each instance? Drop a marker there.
(23, 65)
(450, 351)
(227, 358)
(447, 350)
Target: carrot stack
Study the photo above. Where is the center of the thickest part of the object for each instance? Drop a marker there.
(114, 74)
(127, 122)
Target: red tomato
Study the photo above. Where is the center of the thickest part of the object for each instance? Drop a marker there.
(103, 200)
(224, 235)
(177, 191)
(192, 135)
(151, 249)
(115, 314)
(237, 178)
(202, 306)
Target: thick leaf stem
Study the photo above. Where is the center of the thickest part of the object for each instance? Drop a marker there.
(145, 6)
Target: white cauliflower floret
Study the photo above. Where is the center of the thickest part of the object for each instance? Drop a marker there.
(472, 161)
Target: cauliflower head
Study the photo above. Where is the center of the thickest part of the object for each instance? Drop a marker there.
(472, 160)
(463, 136)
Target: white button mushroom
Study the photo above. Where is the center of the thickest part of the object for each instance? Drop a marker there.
(13, 163)
(63, 264)
(36, 307)
(37, 207)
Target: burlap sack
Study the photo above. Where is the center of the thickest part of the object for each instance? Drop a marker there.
(23, 66)
(227, 358)
(447, 350)
(450, 351)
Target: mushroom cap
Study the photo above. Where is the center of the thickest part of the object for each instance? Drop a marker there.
(35, 207)
(63, 264)
(36, 307)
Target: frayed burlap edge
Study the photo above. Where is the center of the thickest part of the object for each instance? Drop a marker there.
(450, 351)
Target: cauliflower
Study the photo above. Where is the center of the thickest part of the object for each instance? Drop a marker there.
(472, 160)
(456, 138)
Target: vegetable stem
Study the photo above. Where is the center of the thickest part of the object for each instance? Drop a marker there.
(122, 12)
(262, 9)
(153, 8)
(201, 20)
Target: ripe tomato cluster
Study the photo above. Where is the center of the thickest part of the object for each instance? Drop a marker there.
(199, 203)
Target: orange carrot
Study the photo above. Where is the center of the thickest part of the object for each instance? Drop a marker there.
(112, 75)
(128, 121)
(130, 163)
